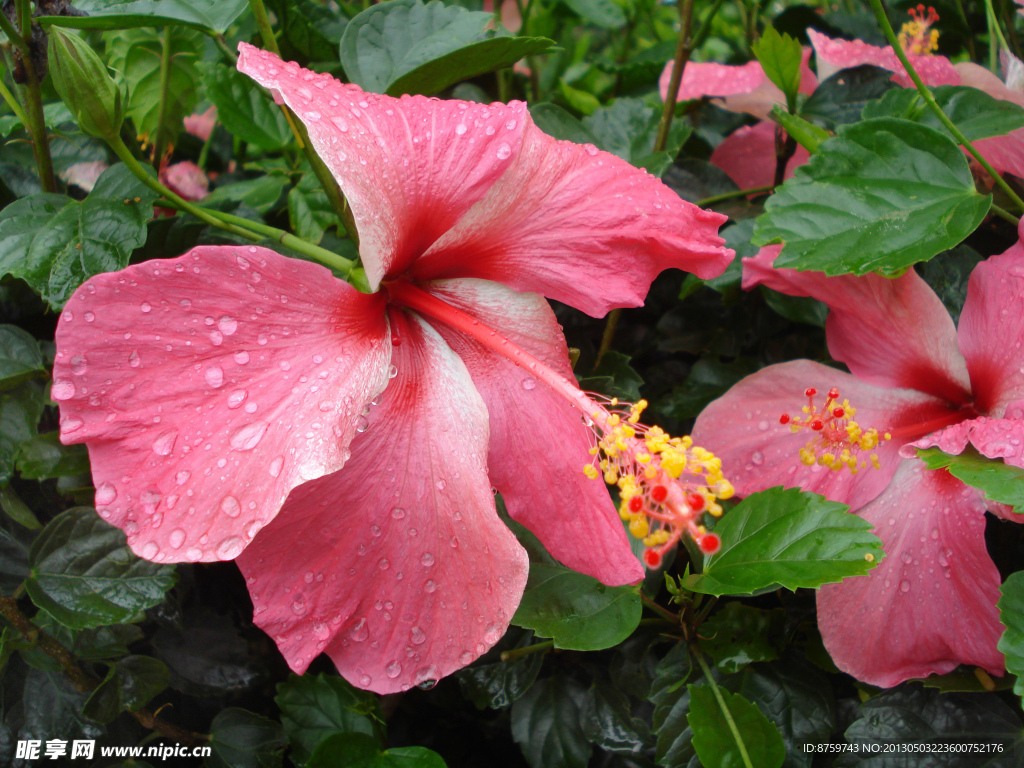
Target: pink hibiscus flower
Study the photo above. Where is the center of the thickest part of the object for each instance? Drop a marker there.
(930, 604)
(233, 391)
(200, 124)
(186, 179)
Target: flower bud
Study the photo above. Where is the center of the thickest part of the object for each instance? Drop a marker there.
(83, 82)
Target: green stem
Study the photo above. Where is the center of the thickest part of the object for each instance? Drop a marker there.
(967, 28)
(704, 203)
(225, 49)
(13, 34)
(13, 102)
(518, 653)
(36, 127)
(705, 25)
(160, 140)
(1004, 214)
(926, 94)
(667, 615)
(251, 230)
(263, 23)
(995, 34)
(735, 731)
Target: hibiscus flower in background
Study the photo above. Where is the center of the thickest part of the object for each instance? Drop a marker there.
(200, 124)
(748, 154)
(186, 179)
(233, 392)
(930, 605)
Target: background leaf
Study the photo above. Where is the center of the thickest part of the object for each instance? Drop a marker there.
(714, 742)
(1011, 615)
(999, 481)
(546, 724)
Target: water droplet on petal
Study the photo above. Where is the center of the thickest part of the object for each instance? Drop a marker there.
(78, 365)
(241, 357)
(504, 151)
(236, 398)
(757, 458)
(393, 670)
(249, 436)
(276, 465)
(398, 513)
(63, 389)
(227, 325)
(441, 485)
(105, 494)
(164, 444)
(359, 631)
(150, 550)
(418, 636)
(361, 424)
(229, 506)
(529, 384)
(214, 376)
(430, 586)
(590, 149)
(145, 306)
(133, 360)
(904, 586)
(177, 538)
(392, 372)
(230, 548)
(427, 559)
(465, 658)
(460, 129)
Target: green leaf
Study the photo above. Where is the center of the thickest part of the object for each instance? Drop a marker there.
(142, 678)
(44, 456)
(602, 13)
(1000, 482)
(214, 15)
(313, 708)
(18, 510)
(714, 741)
(20, 358)
(739, 634)
(136, 54)
(309, 31)
(406, 46)
(779, 56)
(806, 134)
(576, 611)
(54, 114)
(85, 576)
(498, 684)
(247, 112)
(671, 701)
(260, 193)
(786, 538)
(356, 750)
(582, 101)
(614, 377)
(841, 98)
(20, 411)
(104, 703)
(546, 724)
(243, 739)
(709, 378)
(556, 121)
(608, 720)
(880, 196)
(309, 211)
(799, 309)
(1011, 615)
(55, 244)
(629, 129)
(974, 112)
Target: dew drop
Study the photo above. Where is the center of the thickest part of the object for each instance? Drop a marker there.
(440, 485)
(78, 365)
(105, 494)
(63, 389)
(182, 477)
(763, 425)
(145, 306)
(393, 670)
(590, 149)
(214, 376)
(392, 372)
(71, 424)
(236, 398)
(757, 458)
(216, 338)
(529, 384)
(249, 436)
(359, 631)
(276, 465)
(230, 548)
(150, 550)
(164, 444)
(89, 317)
(460, 129)
(418, 636)
(430, 586)
(177, 538)
(361, 424)
(398, 513)
(227, 325)
(904, 586)
(383, 564)
(241, 357)
(465, 658)
(133, 360)
(427, 559)
(229, 506)
(504, 151)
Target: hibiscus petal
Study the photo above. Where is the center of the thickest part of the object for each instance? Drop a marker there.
(995, 438)
(577, 225)
(208, 386)
(834, 54)
(539, 443)
(930, 605)
(397, 567)
(891, 333)
(747, 155)
(409, 167)
(991, 333)
(742, 428)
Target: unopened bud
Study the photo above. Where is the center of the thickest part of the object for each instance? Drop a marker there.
(86, 87)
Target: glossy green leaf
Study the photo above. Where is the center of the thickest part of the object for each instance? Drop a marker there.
(261, 193)
(715, 742)
(247, 112)
(142, 678)
(614, 377)
(608, 720)
(841, 98)
(44, 456)
(546, 724)
(558, 122)
(15, 540)
(20, 411)
(84, 575)
(805, 133)
(786, 538)
(628, 128)
(136, 54)
(54, 114)
(998, 481)
(671, 700)
(881, 196)
(313, 708)
(779, 56)
(497, 684)
(308, 30)
(104, 703)
(1011, 615)
(214, 15)
(357, 750)
(54, 243)
(740, 634)
(576, 611)
(406, 46)
(603, 13)
(20, 358)
(974, 112)
(243, 739)
(309, 211)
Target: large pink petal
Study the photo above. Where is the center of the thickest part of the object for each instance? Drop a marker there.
(995, 438)
(539, 444)
(930, 605)
(757, 452)
(892, 333)
(398, 566)
(409, 167)
(834, 54)
(991, 332)
(577, 225)
(208, 386)
(747, 155)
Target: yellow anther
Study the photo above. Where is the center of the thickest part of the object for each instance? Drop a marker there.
(639, 527)
(725, 490)
(887, 436)
(590, 471)
(674, 463)
(715, 510)
(594, 451)
(656, 538)
(869, 557)
(615, 401)
(610, 476)
(643, 458)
